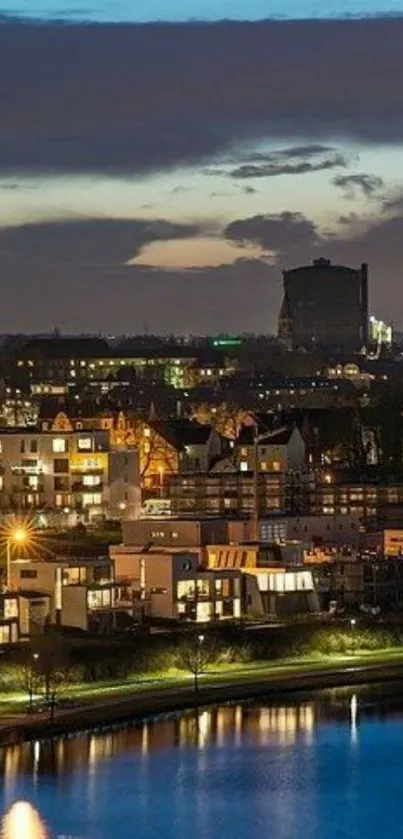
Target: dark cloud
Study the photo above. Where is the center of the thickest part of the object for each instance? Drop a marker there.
(75, 277)
(271, 170)
(98, 242)
(125, 99)
(353, 185)
(349, 219)
(287, 234)
(307, 151)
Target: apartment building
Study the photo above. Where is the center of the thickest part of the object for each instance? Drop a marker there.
(279, 450)
(175, 586)
(80, 592)
(22, 613)
(273, 579)
(75, 473)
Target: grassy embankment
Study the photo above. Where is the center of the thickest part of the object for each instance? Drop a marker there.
(14, 702)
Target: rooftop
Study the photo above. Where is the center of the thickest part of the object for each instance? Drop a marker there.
(183, 432)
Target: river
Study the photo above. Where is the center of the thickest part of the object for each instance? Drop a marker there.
(135, 11)
(323, 766)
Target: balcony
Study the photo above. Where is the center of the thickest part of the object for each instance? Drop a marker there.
(86, 470)
(17, 489)
(31, 468)
(80, 487)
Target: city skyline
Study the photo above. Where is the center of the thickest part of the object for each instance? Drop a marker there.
(134, 192)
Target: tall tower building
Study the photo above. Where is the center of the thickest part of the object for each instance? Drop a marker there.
(325, 306)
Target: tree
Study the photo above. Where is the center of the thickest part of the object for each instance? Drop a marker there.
(54, 671)
(194, 655)
(158, 457)
(27, 678)
(226, 418)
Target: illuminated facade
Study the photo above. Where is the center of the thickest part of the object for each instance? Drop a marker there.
(175, 585)
(80, 592)
(76, 473)
(281, 451)
(48, 363)
(380, 333)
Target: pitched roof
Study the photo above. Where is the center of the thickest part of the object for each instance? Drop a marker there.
(183, 432)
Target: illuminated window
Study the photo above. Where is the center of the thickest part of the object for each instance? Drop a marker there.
(276, 466)
(10, 609)
(263, 465)
(84, 444)
(243, 466)
(204, 612)
(186, 590)
(91, 480)
(5, 634)
(92, 499)
(59, 445)
(147, 432)
(203, 588)
(99, 599)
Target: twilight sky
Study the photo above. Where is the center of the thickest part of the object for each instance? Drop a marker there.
(163, 174)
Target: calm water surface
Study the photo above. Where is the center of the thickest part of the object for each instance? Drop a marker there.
(181, 10)
(323, 767)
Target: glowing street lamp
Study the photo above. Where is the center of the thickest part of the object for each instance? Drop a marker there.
(352, 626)
(18, 536)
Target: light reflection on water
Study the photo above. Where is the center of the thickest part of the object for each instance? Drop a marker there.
(22, 821)
(221, 772)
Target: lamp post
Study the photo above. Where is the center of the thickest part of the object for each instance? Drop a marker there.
(32, 680)
(16, 537)
(197, 668)
(352, 626)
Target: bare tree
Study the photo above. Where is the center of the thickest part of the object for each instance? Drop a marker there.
(26, 677)
(54, 671)
(194, 655)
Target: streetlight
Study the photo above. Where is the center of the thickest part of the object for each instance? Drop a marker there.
(198, 661)
(352, 627)
(19, 536)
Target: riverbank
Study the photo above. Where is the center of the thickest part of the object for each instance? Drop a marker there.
(212, 689)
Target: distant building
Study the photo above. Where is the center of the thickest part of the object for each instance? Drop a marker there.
(325, 306)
